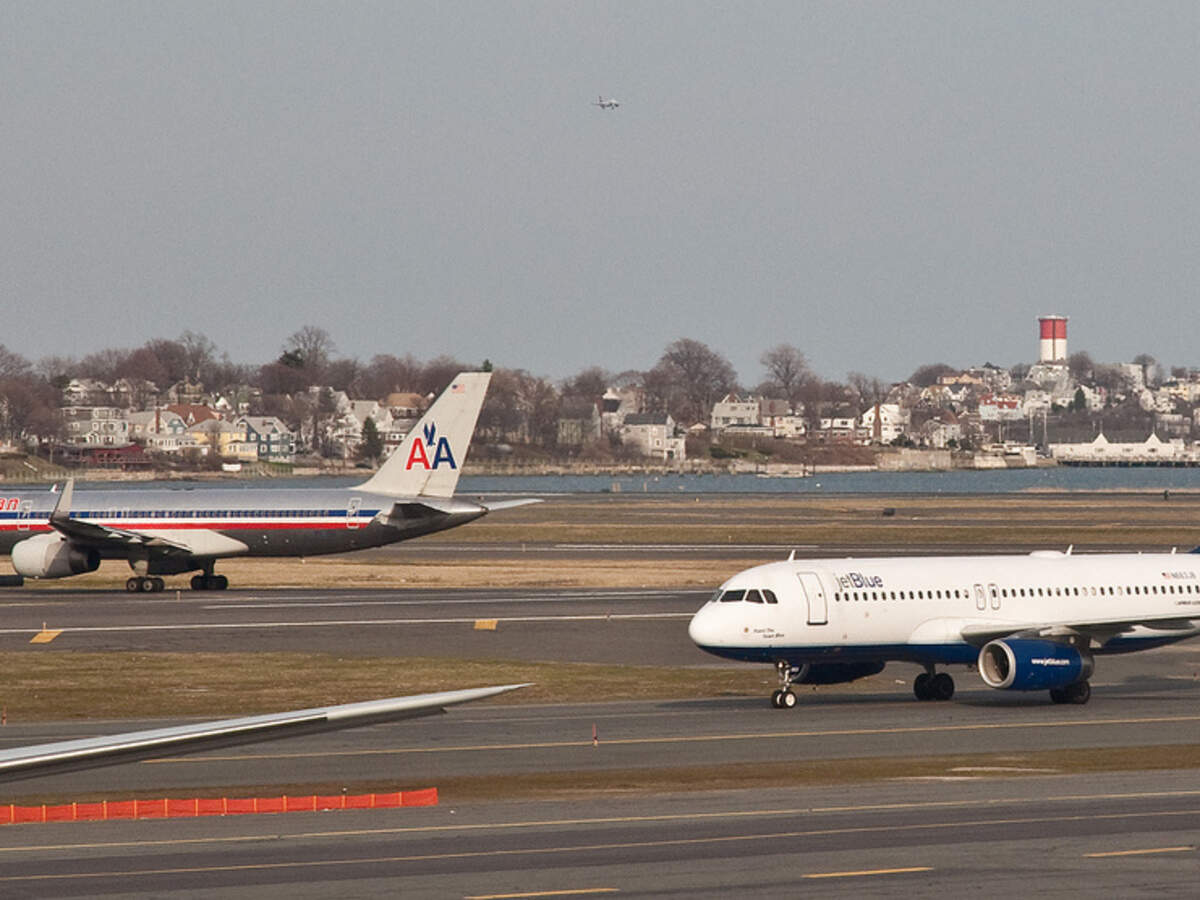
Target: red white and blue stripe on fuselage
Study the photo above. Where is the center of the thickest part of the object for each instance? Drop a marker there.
(270, 522)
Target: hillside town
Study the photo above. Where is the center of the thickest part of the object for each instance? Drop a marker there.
(175, 405)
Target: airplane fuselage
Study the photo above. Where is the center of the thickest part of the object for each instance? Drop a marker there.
(268, 522)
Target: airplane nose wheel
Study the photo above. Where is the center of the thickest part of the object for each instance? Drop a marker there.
(783, 698)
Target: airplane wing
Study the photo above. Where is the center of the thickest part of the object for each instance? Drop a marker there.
(87, 753)
(1099, 630)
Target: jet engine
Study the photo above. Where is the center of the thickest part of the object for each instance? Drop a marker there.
(1032, 665)
(836, 673)
(53, 556)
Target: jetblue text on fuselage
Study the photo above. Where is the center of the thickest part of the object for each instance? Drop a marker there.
(418, 457)
(858, 580)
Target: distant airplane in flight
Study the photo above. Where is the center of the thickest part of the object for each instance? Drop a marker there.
(610, 103)
(169, 532)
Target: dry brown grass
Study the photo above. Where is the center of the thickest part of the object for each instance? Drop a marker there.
(57, 685)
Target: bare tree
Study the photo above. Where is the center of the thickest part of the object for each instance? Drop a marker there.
(500, 419)
(539, 404)
(1080, 365)
(200, 357)
(13, 365)
(929, 374)
(312, 347)
(438, 372)
(870, 390)
(700, 377)
(102, 365)
(590, 384)
(386, 374)
(143, 364)
(787, 370)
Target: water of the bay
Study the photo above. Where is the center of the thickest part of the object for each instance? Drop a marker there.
(998, 481)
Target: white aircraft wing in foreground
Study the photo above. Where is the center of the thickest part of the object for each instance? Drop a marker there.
(87, 753)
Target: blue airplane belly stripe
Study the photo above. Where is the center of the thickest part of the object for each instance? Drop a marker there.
(944, 654)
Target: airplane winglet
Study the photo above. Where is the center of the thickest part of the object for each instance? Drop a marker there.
(62, 506)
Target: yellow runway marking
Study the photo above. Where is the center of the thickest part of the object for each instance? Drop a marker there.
(772, 837)
(863, 872)
(568, 893)
(45, 636)
(1147, 852)
(485, 624)
(688, 739)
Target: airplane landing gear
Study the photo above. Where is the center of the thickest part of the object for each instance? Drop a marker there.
(783, 698)
(209, 582)
(931, 685)
(1078, 693)
(144, 585)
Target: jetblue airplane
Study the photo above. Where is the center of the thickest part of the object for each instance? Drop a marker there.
(54, 534)
(1025, 623)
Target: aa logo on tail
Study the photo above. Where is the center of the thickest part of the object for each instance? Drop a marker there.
(418, 457)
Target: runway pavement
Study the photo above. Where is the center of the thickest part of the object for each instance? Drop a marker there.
(961, 827)
(614, 626)
(1074, 836)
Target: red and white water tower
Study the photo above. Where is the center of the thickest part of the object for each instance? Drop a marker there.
(1053, 344)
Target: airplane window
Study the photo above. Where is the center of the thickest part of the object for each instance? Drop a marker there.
(716, 596)
(732, 596)
(770, 596)
(753, 597)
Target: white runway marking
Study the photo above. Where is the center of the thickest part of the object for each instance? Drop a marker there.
(344, 623)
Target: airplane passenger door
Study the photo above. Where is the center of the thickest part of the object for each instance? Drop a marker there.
(352, 512)
(814, 596)
(24, 513)
(980, 597)
(994, 593)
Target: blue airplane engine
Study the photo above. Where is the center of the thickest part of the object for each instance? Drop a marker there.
(1016, 664)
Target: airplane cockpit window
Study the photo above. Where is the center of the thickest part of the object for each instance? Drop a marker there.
(733, 596)
(769, 596)
(753, 596)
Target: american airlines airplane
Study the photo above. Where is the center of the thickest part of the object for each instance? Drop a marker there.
(1025, 623)
(54, 534)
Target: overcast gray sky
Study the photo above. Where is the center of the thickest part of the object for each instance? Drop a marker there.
(883, 185)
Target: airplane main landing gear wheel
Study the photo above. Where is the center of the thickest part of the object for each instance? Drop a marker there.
(941, 686)
(144, 585)
(1078, 693)
(921, 689)
(209, 582)
(933, 686)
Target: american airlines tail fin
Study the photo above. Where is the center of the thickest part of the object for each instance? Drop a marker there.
(428, 462)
